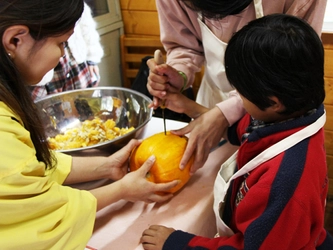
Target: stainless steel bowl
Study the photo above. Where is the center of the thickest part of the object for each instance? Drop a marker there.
(126, 107)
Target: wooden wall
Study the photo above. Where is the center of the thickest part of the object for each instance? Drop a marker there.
(140, 18)
(328, 45)
(141, 36)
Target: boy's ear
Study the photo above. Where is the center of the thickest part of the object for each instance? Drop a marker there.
(13, 38)
(276, 106)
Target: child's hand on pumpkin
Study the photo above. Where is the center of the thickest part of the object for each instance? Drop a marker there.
(155, 236)
(136, 187)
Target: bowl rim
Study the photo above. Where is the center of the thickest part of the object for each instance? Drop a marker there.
(94, 88)
(95, 146)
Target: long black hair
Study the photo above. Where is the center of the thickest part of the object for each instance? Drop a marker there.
(44, 18)
(277, 55)
(217, 9)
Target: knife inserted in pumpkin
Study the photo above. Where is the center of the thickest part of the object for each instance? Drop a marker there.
(158, 57)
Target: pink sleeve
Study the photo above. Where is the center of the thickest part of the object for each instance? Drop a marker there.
(232, 108)
(181, 37)
(312, 11)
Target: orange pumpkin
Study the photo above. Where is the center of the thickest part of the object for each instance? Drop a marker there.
(168, 150)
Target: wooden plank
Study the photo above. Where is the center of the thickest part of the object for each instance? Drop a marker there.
(328, 67)
(133, 50)
(329, 118)
(329, 208)
(330, 190)
(329, 142)
(328, 70)
(329, 159)
(141, 22)
(329, 90)
(142, 41)
(123, 52)
(131, 73)
(140, 36)
(138, 5)
(327, 40)
(133, 57)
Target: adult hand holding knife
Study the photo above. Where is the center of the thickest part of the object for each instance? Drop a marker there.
(158, 57)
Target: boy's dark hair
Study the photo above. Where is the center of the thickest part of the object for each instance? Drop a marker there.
(277, 55)
(217, 9)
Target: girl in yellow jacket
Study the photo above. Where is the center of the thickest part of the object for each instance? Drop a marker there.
(37, 210)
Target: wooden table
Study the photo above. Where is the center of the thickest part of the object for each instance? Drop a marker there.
(120, 225)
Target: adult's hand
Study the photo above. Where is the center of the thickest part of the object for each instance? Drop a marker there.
(162, 78)
(113, 167)
(135, 185)
(205, 133)
(117, 163)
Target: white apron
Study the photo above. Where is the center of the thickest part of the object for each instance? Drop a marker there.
(214, 85)
(226, 173)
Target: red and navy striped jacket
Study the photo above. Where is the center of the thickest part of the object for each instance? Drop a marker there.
(278, 205)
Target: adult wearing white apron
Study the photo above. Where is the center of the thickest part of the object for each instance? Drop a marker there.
(226, 173)
(214, 86)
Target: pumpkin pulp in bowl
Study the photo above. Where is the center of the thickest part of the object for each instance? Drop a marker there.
(168, 150)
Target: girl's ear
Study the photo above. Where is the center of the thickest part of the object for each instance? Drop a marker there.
(276, 106)
(14, 37)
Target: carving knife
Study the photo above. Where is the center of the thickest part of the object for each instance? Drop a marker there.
(158, 57)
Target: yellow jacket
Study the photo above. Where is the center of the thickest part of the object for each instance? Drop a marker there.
(36, 210)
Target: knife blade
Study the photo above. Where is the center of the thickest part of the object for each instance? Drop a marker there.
(158, 57)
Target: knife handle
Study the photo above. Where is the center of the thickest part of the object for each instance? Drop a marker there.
(158, 57)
